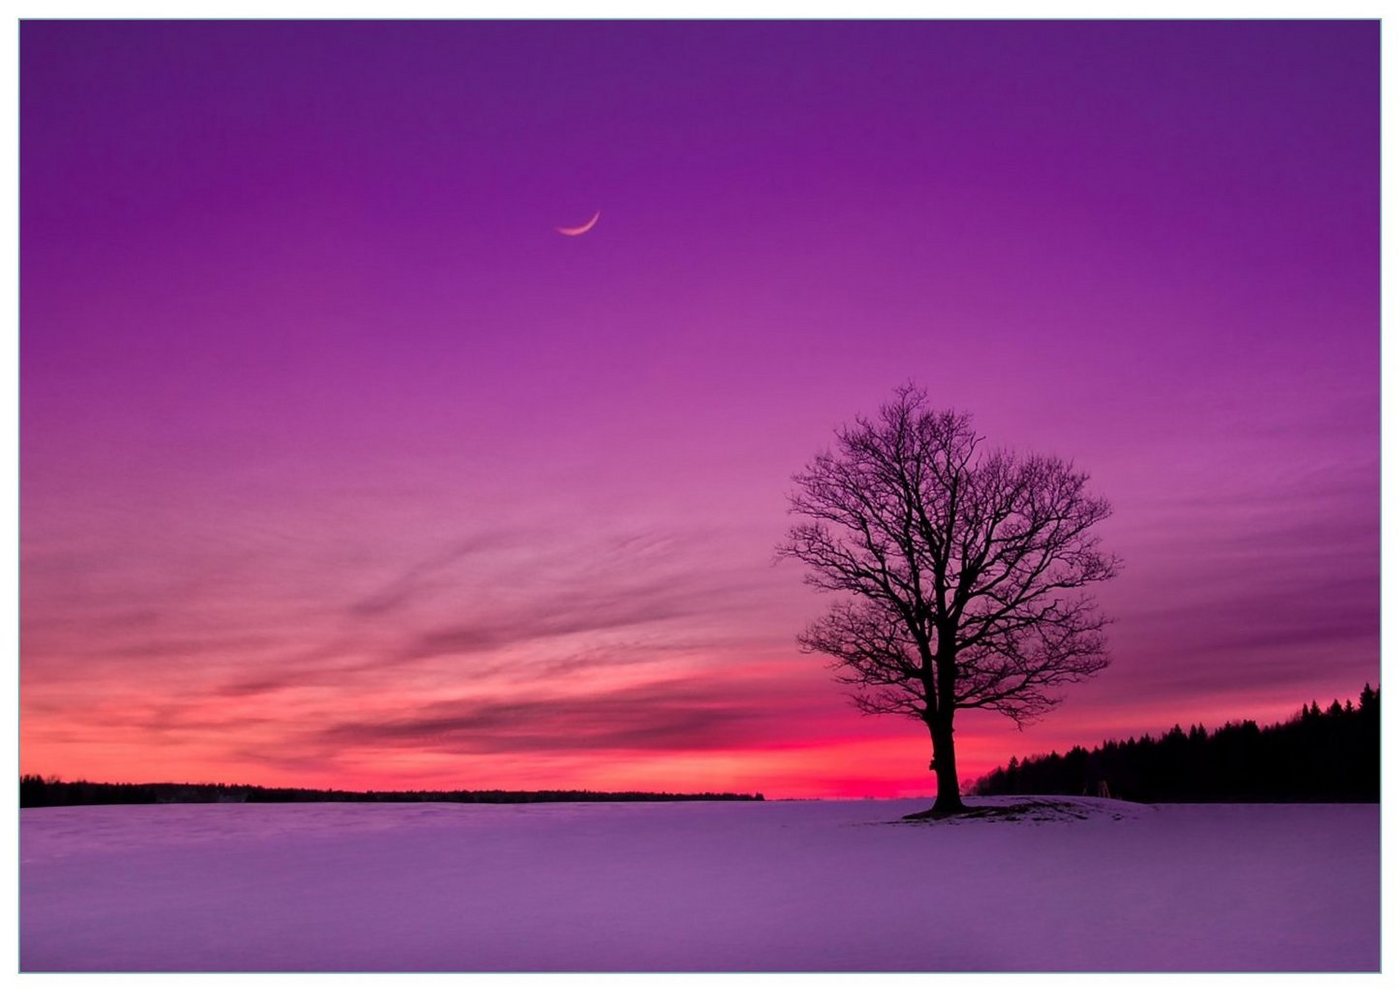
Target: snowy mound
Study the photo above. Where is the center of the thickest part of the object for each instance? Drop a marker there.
(1041, 809)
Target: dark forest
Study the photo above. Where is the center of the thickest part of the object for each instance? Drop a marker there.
(35, 790)
(1320, 755)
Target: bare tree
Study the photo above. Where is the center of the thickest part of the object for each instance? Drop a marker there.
(962, 568)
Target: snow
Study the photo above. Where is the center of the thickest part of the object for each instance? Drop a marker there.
(1089, 885)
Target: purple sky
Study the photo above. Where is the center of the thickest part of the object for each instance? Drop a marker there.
(341, 467)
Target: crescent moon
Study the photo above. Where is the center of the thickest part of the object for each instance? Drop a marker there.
(574, 232)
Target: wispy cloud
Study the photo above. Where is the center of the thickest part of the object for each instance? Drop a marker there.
(699, 713)
(427, 576)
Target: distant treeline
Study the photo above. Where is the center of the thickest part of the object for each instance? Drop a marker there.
(1330, 755)
(35, 790)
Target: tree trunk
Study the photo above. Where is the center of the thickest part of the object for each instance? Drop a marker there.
(945, 766)
(945, 763)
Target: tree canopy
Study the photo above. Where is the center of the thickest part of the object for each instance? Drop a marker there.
(961, 571)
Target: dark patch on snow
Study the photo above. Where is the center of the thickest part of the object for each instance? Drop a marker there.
(1036, 810)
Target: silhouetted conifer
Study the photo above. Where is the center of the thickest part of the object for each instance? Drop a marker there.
(1316, 756)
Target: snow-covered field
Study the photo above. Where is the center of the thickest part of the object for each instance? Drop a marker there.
(785, 886)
